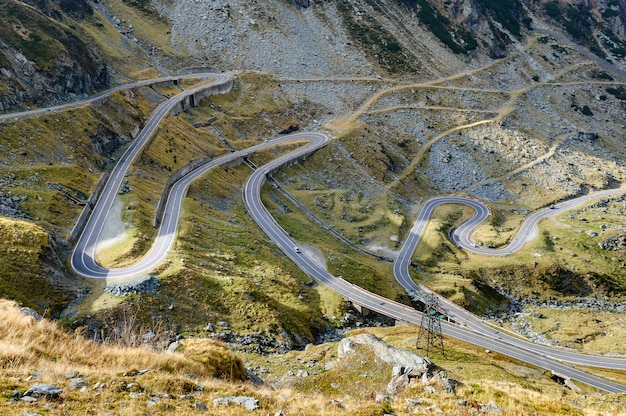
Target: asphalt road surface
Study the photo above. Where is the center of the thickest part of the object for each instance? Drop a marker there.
(474, 331)
(461, 236)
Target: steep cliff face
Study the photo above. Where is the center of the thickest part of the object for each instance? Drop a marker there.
(42, 59)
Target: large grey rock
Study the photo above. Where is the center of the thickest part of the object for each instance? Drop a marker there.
(401, 377)
(47, 390)
(248, 402)
(407, 366)
(77, 383)
(385, 352)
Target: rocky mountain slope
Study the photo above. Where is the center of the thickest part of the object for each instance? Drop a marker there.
(43, 58)
(59, 44)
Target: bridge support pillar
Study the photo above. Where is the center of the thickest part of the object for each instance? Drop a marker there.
(362, 310)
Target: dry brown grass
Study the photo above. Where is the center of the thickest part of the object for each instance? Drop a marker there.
(37, 351)
(27, 342)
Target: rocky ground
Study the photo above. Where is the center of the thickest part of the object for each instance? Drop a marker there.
(268, 39)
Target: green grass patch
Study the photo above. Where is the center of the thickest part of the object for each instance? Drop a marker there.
(148, 27)
(25, 259)
(26, 30)
(342, 260)
(592, 333)
(223, 268)
(380, 45)
(458, 39)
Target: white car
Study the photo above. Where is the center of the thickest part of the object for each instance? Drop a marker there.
(296, 249)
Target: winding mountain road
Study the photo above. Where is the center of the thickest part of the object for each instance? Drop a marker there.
(461, 237)
(472, 330)
(83, 257)
(92, 98)
(476, 332)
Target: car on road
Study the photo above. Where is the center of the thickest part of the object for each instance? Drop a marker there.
(296, 249)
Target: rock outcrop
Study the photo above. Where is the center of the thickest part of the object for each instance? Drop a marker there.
(248, 402)
(408, 367)
(385, 352)
(49, 63)
(43, 390)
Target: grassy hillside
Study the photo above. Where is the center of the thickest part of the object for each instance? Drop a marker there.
(28, 265)
(111, 372)
(40, 39)
(222, 267)
(125, 377)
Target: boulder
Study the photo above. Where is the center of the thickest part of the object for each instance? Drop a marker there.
(387, 353)
(77, 383)
(399, 380)
(248, 402)
(43, 390)
(407, 366)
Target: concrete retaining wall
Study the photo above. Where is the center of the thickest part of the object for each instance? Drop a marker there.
(194, 99)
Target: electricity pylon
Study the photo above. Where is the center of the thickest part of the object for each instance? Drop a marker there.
(430, 326)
